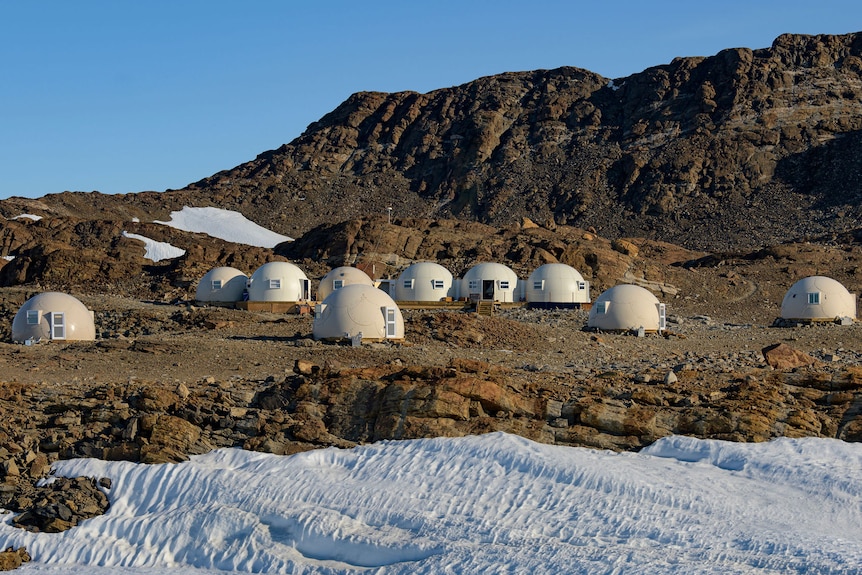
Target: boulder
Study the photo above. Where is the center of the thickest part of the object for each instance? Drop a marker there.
(781, 357)
(625, 247)
(173, 439)
(13, 558)
(492, 396)
(9, 468)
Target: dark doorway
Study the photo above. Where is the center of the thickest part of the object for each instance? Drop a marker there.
(488, 289)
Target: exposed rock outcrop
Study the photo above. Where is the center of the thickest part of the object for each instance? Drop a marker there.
(13, 558)
(745, 148)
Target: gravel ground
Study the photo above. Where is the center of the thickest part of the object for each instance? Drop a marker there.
(167, 343)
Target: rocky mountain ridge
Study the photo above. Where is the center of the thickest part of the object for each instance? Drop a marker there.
(746, 148)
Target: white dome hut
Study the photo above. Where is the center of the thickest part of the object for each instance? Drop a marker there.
(489, 282)
(424, 281)
(818, 298)
(557, 285)
(358, 311)
(339, 277)
(221, 285)
(627, 307)
(53, 316)
(279, 282)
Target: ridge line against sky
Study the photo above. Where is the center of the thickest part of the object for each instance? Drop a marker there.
(136, 96)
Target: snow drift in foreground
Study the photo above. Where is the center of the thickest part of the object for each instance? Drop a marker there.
(154, 250)
(488, 504)
(226, 225)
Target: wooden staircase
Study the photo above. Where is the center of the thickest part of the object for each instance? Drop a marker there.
(485, 308)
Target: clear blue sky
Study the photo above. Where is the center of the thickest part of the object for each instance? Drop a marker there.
(128, 96)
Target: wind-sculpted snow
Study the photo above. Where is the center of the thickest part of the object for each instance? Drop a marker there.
(225, 225)
(489, 504)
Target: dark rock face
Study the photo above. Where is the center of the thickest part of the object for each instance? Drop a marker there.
(738, 150)
(760, 144)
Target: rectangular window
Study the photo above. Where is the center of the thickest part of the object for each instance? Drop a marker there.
(662, 317)
(539, 284)
(216, 284)
(814, 298)
(337, 284)
(436, 284)
(474, 285)
(32, 317)
(602, 306)
(275, 284)
(408, 284)
(582, 285)
(504, 284)
(318, 310)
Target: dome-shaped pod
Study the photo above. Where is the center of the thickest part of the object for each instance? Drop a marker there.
(358, 311)
(53, 316)
(627, 307)
(818, 298)
(489, 282)
(556, 285)
(221, 285)
(279, 282)
(424, 281)
(339, 277)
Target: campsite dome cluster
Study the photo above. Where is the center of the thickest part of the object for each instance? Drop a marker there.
(350, 305)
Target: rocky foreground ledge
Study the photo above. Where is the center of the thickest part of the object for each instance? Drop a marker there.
(323, 402)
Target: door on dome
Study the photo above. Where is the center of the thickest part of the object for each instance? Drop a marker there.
(58, 325)
(488, 289)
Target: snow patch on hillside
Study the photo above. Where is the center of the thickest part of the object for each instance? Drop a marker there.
(154, 250)
(226, 225)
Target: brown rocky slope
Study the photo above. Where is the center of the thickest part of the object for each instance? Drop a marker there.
(168, 379)
(738, 150)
